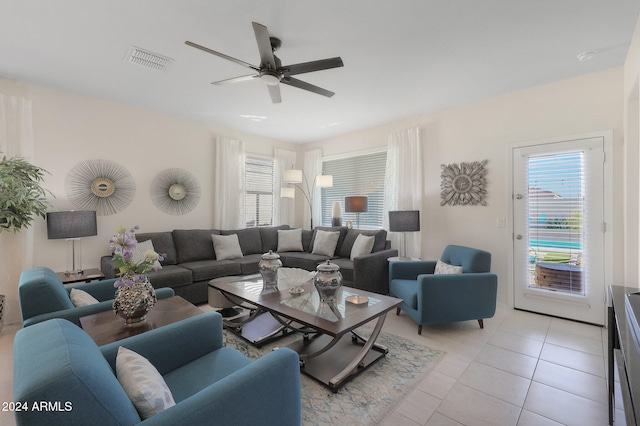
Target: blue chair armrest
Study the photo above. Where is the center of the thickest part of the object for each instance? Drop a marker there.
(173, 345)
(266, 392)
(409, 270)
(474, 294)
(104, 290)
(72, 315)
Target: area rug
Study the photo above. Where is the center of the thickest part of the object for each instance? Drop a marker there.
(369, 397)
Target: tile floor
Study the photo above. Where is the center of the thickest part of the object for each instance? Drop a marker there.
(521, 369)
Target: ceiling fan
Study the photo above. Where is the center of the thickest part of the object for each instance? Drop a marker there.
(271, 71)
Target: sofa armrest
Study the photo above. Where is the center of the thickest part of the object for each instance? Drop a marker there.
(371, 271)
(267, 392)
(106, 266)
(410, 269)
(72, 315)
(195, 337)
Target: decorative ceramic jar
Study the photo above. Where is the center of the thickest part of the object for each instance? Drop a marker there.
(132, 302)
(268, 266)
(328, 281)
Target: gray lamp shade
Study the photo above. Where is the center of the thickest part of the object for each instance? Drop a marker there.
(71, 224)
(356, 204)
(404, 221)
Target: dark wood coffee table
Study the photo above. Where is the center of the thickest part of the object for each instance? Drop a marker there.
(106, 327)
(331, 350)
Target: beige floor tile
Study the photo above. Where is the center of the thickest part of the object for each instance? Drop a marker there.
(565, 407)
(441, 420)
(577, 328)
(397, 419)
(437, 384)
(524, 329)
(573, 381)
(576, 342)
(471, 407)
(452, 366)
(527, 418)
(418, 406)
(571, 358)
(516, 343)
(495, 382)
(504, 359)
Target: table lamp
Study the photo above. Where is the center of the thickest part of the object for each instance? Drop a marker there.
(356, 204)
(72, 226)
(404, 221)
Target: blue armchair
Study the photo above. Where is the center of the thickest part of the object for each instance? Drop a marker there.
(436, 298)
(58, 364)
(42, 296)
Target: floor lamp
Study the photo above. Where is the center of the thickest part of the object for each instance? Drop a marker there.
(72, 226)
(356, 204)
(404, 221)
(297, 178)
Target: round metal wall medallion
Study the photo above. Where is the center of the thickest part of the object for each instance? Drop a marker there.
(463, 184)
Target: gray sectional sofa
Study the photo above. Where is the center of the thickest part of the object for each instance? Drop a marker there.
(190, 261)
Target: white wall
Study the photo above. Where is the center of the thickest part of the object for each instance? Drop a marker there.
(69, 128)
(483, 130)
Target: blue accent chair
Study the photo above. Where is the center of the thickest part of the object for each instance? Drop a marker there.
(42, 296)
(431, 299)
(58, 363)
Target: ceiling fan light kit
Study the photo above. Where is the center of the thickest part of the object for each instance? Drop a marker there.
(271, 71)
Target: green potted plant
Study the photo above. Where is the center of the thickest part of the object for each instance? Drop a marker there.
(22, 198)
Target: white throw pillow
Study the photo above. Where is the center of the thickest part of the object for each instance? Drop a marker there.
(362, 245)
(145, 387)
(82, 298)
(141, 249)
(226, 246)
(325, 242)
(445, 268)
(290, 240)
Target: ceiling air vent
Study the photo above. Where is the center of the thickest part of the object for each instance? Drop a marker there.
(148, 59)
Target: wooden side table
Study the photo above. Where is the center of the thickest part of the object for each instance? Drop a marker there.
(106, 327)
(88, 275)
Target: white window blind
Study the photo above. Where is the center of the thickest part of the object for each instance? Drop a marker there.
(357, 175)
(556, 226)
(259, 191)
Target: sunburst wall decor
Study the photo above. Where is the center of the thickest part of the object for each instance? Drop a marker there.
(100, 185)
(463, 184)
(175, 191)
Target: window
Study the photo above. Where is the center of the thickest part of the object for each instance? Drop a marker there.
(357, 175)
(258, 191)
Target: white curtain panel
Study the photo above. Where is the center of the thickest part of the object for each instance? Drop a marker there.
(229, 193)
(312, 168)
(283, 209)
(404, 184)
(16, 250)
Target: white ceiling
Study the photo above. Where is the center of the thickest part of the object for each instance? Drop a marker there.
(401, 59)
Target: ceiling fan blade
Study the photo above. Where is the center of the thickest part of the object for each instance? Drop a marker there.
(236, 79)
(267, 59)
(322, 64)
(274, 92)
(290, 81)
(222, 55)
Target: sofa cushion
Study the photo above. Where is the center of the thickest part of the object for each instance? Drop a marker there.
(362, 246)
(325, 242)
(249, 239)
(170, 276)
(194, 244)
(227, 247)
(290, 240)
(352, 234)
(346, 268)
(143, 384)
(343, 233)
(162, 243)
(204, 270)
(269, 236)
(249, 264)
(307, 236)
(301, 259)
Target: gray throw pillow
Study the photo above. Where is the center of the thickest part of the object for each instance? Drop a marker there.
(290, 240)
(445, 268)
(226, 246)
(325, 242)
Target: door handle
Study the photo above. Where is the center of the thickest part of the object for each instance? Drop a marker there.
(518, 237)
